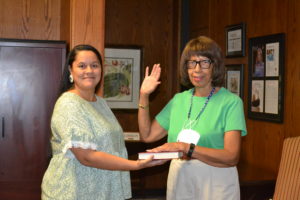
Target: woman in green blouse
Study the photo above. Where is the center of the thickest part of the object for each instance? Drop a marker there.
(205, 122)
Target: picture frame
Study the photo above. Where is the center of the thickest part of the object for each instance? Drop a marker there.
(266, 78)
(234, 79)
(235, 40)
(122, 72)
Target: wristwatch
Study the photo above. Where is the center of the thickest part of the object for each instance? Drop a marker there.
(191, 150)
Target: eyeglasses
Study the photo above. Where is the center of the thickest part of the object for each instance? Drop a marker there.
(204, 64)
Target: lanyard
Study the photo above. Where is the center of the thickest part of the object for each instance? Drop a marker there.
(204, 106)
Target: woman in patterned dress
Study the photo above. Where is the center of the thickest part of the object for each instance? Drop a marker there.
(89, 159)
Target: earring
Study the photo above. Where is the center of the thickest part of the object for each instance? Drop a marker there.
(71, 78)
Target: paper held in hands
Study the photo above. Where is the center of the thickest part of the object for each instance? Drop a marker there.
(160, 155)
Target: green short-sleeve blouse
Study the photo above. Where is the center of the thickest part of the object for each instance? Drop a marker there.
(224, 112)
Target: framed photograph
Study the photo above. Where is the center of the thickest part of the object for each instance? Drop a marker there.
(235, 40)
(234, 79)
(122, 66)
(266, 77)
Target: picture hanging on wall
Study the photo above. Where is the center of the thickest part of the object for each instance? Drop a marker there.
(266, 78)
(234, 79)
(122, 66)
(235, 40)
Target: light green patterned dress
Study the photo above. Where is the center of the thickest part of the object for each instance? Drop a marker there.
(90, 125)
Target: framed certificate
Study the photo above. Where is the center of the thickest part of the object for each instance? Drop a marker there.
(235, 40)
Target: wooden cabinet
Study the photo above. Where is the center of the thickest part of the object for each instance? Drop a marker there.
(30, 73)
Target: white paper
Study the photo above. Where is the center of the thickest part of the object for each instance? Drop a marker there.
(272, 59)
(188, 136)
(257, 99)
(130, 136)
(272, 96)
(235, 40)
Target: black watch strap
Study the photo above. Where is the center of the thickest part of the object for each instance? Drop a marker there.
(191, 150)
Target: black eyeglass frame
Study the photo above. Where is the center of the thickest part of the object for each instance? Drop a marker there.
(199, 62)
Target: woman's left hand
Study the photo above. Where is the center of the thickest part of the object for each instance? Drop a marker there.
(172, 146)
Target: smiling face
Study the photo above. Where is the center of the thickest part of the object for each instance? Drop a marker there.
(86, 71)
(199, 77)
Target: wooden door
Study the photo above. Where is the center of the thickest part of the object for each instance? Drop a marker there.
(29, 78)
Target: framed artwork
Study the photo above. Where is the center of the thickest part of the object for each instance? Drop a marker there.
(122, 66)
(266, 77)
(234, 79)
(235, 40)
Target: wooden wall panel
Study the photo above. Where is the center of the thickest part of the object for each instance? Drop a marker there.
(292, 71)
(199, 20)
(261, 148)
(86, 25)
(65, 24)
(149, 24)
(70, 20)
(87, 22)
(30, 19)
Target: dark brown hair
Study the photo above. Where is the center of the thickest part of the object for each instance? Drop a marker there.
(203, 46)
(65, 84)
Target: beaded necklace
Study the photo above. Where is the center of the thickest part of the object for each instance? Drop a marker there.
(186, 134)
(202, 109)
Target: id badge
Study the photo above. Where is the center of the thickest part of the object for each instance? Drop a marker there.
(188, 136)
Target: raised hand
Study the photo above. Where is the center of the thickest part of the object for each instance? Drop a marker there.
(151, 81)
